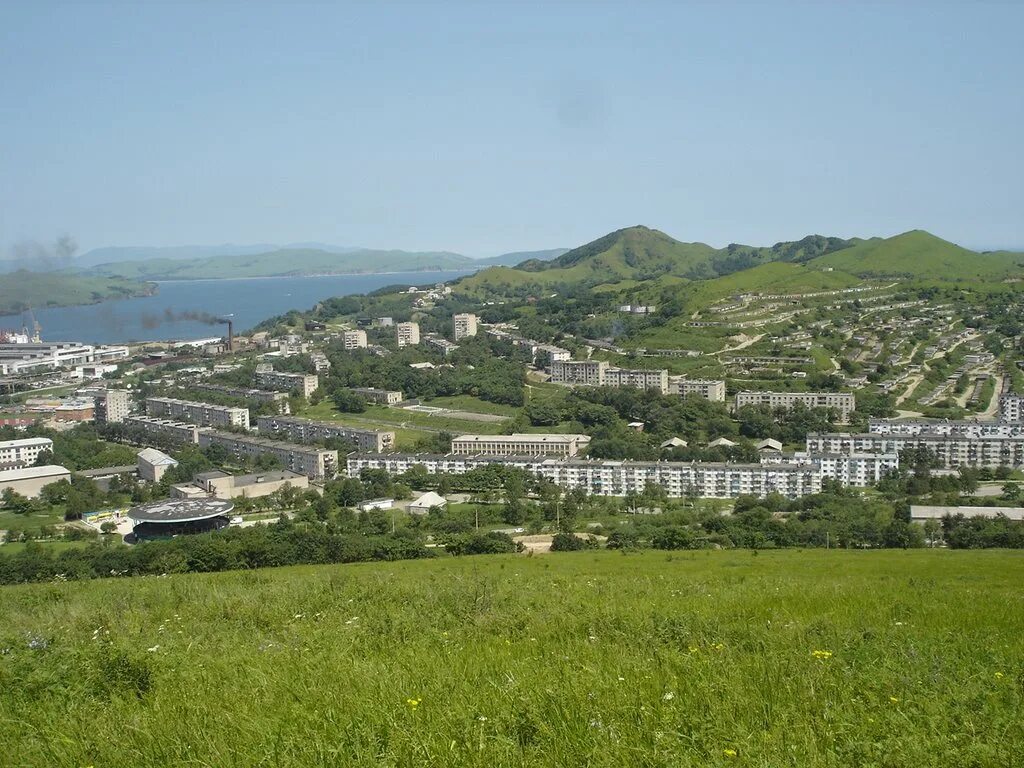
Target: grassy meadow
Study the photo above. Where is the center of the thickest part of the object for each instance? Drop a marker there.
(785, 658)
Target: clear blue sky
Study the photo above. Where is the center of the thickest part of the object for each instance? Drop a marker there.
(487, 127)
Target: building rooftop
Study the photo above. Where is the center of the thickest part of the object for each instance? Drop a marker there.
(28, 473)
(180, 510)
(25, 442)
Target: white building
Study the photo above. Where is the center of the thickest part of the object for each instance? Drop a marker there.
(463, 325)
(842, 402)
(951, 451)
(520, 444)
(18, 454)
(304, 384)
(1011, 408)
(204, 414)
(408, 334)
(112, 406)
(378, 396)
(309, 431)
(859, 470)
(152, 464)
(585, 373)
(354, 339)
(637, 378)
(709, 389)
(29, 481)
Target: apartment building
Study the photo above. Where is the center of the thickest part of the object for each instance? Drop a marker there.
(204, 414)
(842, 402)
(311, 461)
(584, 373)
(617, 478)
(940, 427)
(463, 325)
(637, 378)
(19, 454)
(408, 334)
(951, 451)
(443, 345)
(112, 406)
(859, 470)
(520, 444)
(709, 389)
(354, 339)
(308, 431)
(304, 384)
(280, 399)
(171, 431)
(1011, 408)
(378, 396)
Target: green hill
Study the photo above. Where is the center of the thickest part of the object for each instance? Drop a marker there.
(59, 289)
(286, 262)
(921, 254)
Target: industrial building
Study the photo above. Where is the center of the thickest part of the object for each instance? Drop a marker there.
(463, 325)
(407, 334)
(520, 444)
(311, 461)
(378, 396)
(842, 402)
(18, 454)
(709, 389)
(204, 414)
(303, 383)
(29, 481)
(34, 357)
(308, 431)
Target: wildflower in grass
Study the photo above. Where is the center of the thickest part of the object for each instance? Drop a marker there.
(894, 699)
(999, 675)
(694, 649)
(668, 696)
(154, 649)
(413, 703)
(822, 654)
(718, 646)
(729, 752)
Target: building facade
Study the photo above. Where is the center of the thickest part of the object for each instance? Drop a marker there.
(709, 389)
(19, 454)
(309, 431)
(204, 414)
(407, 334)
(583, 373)
(1011, 408)
(842, 402)
(174, 432)
(354, 339)
(315, 463)
(951, 451)
(520, 444)
(112, 406)
(304, 384)
(463, 325)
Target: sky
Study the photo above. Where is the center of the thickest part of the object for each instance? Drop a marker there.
(486, 127)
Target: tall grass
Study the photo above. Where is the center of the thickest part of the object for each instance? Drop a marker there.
(598, 658)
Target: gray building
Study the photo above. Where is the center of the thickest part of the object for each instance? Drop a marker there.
(204, 414)
(308, 431)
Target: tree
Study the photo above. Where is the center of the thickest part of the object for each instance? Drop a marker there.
(109, 526)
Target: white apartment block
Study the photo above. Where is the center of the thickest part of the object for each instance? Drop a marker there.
(617, 478)
(176, 432)
(112, 406)
(446, 347)
(463, 325)
(19, 454)
(354, 339)
(859, 470)
(709, 389)
(378, 396)
(408, 334)
(1011, 408)
(204, 414)
(842, 402)
(637, 378)
(586, 373)
(951, 451)
(303, 383)
(309, 431)
(315, 463)
(520, 444)
(934, 427)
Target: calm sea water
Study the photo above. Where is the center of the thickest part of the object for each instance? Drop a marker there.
(158, 318)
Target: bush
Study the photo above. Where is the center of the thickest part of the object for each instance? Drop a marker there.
(567, 542)
(493, 543)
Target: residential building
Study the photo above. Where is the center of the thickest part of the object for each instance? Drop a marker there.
(463, 325)
(709, 389)
(112, 406)
(585, 373)
(18, 454)
(304, 384)
(354, 339)
(943, 427)
(152, 464)
(308, 431)
(280, 399)
(843, 403)
(637, 378)
(311, 461)
(446, 347)
(520, 444)
(408, 334)
(859, 470)
(204, 414)
(29, 481)
(320, 362)
(1011, 408)
(378, 396)
(951, 451)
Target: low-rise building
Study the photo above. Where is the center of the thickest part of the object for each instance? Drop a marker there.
(152, 464)
(520, 444)
(309, 431)
(221, 485)
(18, 454)
(443, 345)
(204, 414)
(378, 396)
(304, 384)
(843, 403)
(30, 481)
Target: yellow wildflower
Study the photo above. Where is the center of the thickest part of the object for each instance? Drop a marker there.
(821, 654)
(999, 675)
(894, 699)
(413, 703)
(729, 752)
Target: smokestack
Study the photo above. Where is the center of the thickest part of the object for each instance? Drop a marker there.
(231, 336)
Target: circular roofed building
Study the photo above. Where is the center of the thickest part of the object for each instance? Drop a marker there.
(174, 517)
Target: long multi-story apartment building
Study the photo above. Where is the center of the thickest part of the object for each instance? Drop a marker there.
(311, 461)
(859, 470)
(308, 431)
(1011, 408)
(112, 406)
(842, 402)
(520, 444)
(280, 399)
(204, 414)
(378, 396)
(463, 325)
(937, 427)
(354, 339)
(951, 451)
(407, 334)
(176, 432)
(304, 384)
(19, 454)
(617, 478)
(709, 389)
(637, 378)
(598, 373)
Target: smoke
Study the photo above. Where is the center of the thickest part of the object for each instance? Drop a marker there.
(150, 320)
(41, 257)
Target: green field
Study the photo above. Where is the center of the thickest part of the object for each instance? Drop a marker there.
(788, 658)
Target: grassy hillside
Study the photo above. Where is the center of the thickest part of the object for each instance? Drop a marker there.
(58, 289)
(806, 658)
(295, 261)
(921, 254)
(776, 278)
